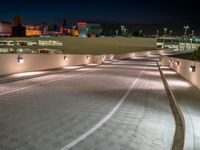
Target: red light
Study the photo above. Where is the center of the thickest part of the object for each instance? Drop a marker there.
(81, 23)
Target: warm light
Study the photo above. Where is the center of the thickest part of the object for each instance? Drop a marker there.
(65, 58)
(28, 74)
(72, 67)
(192, 69)
(20, 60)
(82, 23)
(179, 84)
(170, 60)
(88, 57)
(177, 63)
(92, 64)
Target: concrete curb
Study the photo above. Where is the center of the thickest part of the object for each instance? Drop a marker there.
(179, 137)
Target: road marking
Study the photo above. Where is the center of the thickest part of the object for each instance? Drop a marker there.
(35, 85)
(105, 119)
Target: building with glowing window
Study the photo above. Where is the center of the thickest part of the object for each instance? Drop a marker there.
(33, 30)
(5, 29)
(89, 29)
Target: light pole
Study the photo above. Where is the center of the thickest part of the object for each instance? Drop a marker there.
(165, 32)
(192, 38)
(186, 28)
(170, 32)
(171, 35)
(122, 29)
(157, 31)
(140, 32)
(117, 32)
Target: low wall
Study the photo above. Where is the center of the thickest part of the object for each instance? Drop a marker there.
(183, 69)
(137, 54)
(32, 62)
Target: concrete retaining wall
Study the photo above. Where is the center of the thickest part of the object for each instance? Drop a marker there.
(183, 69)
(32, 62)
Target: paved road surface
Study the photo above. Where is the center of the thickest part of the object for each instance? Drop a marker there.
(188, 97)
(119, 106)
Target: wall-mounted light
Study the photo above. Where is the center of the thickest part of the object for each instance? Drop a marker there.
(192, 68)
(88, 57)
(20, 60)
(177, 63)
(65, 58)
(170, 60)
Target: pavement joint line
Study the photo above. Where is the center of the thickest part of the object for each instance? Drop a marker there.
(43, 83)
(179, 136)
(105, 119)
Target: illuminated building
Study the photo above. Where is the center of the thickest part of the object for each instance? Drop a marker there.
(89, 30)
(33, 31)
(17, 21)
(94, 30)
(5, 29)
(64, 31)
(69, 32)
(83, 29)
(74, 33)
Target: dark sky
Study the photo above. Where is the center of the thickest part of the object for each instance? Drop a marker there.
(123, 11)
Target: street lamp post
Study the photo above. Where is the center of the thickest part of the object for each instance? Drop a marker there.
(186, 28)
(122, 29)
(157, 31)
(171, 32)
(140, 32)
(192, 38)
(165, 32)
(171, 35)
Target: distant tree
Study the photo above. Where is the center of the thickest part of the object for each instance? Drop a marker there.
(136, 33)
(64, 23)
(196, 55)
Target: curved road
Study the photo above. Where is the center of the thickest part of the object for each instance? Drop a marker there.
(119, 106)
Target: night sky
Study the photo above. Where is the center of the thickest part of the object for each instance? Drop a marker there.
(123, 11)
